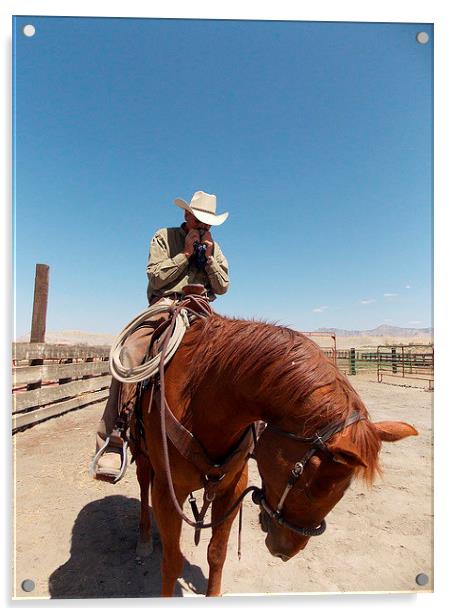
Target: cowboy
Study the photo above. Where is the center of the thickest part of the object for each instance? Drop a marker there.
(179, 257)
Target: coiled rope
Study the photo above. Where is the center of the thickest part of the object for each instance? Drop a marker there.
(150, 367)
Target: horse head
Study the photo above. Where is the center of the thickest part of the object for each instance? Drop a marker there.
(304, 478)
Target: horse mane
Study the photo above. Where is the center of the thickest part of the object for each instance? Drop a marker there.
(288, 371)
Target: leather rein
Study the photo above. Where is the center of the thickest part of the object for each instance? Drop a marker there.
(190, 448)
(187, 444)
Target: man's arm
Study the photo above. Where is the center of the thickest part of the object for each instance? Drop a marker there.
(161, 268)
(217, 271)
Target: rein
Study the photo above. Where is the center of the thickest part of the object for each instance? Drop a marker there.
(165, 411)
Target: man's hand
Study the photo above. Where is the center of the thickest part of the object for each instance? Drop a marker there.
(208, 241)
(191, 237)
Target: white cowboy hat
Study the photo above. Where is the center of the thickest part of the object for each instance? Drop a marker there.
(203, 206)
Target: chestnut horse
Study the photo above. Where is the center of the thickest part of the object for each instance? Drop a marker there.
(227, 374)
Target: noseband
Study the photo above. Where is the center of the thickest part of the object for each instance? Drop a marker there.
(318, 443)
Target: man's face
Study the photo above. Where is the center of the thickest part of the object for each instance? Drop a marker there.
(194, 223)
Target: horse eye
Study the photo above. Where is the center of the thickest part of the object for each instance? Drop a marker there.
(339, 460)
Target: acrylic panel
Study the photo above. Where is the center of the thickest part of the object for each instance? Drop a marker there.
(316, 138)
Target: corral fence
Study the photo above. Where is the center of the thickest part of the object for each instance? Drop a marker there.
(352, 361)
(348, 361)
(394, 363)
(414, 361)
(51, 379)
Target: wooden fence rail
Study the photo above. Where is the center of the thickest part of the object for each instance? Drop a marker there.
(70, 377)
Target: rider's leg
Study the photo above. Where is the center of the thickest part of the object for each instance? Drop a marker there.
(121, 395)
(110, 461)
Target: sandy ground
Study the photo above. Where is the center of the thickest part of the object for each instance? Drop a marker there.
(75, 537)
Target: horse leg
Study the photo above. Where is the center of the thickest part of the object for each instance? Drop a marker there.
(218, 546)
(169, 524)
(145, 474)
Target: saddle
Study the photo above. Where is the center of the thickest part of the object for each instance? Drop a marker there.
(129, 424)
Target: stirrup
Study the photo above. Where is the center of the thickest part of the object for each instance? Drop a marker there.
(115, 478)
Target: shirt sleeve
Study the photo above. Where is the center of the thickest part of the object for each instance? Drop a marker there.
(161, 268)
(217, 271)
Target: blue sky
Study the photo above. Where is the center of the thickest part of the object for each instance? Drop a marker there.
(316, 137)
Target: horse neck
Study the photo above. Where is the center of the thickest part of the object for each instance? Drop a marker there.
(227, 406)
(214, 414)
(220, 419)
(226, 400)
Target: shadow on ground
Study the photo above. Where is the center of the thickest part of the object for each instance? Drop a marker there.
(103, 563)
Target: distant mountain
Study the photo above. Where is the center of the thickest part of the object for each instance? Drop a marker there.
(80, 337)
(74, 337)
(381, 330)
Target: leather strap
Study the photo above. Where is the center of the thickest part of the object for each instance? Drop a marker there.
(192, 450)
(324, 434)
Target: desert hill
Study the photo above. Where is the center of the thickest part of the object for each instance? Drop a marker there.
(383, 334)
(73, 337)
(382, 330)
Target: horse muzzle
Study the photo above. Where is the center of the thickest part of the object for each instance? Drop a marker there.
(282, 557)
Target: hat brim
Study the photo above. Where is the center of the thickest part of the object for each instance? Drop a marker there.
(205, 217)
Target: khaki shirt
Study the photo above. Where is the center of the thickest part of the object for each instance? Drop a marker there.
(169, 270)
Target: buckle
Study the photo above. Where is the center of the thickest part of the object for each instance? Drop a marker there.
(214, 479)
(317, 441)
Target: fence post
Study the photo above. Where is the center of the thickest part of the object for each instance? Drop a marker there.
(394, 360)
(39, 316)
(352, 361)
(38, 321)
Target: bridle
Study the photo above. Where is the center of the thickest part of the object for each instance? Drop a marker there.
(318, 443)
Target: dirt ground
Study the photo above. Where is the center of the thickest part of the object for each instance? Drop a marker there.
(75, 537)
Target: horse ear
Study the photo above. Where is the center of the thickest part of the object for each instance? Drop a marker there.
(345, 452)
(391, 431)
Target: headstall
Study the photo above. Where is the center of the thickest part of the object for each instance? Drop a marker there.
(318, 443)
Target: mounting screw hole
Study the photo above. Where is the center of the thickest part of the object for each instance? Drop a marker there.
(421, 579)
(29, 30)
(28, 585)
(422, 38)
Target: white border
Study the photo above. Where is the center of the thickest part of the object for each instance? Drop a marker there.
(433, 11)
